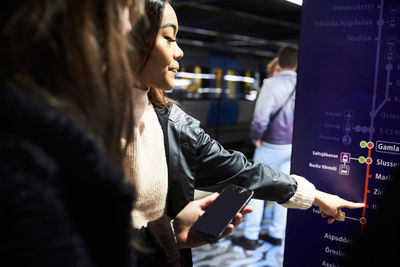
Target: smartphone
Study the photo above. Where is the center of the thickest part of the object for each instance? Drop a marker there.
(221, 212)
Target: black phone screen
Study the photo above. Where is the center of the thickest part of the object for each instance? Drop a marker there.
(217, 216)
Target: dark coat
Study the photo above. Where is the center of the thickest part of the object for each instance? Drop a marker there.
(196, 161)
(62, 201)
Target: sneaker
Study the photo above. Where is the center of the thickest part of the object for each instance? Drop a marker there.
(272, 240)
(245, 243)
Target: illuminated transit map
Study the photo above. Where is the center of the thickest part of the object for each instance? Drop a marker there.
(347, 119)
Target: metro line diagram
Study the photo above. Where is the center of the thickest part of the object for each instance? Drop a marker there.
(346, 137)
(386, 50)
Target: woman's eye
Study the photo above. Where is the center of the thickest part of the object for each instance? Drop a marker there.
(169, 39)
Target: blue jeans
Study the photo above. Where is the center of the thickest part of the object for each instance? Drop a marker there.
(274, 222)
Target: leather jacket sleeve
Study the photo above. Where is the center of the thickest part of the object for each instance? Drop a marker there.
(217, 167)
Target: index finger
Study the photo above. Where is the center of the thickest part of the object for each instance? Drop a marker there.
(352, 205)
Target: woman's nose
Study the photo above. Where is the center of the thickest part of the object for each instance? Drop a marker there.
(178, 53)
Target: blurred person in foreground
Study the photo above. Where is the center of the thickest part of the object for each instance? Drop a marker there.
(65, 103)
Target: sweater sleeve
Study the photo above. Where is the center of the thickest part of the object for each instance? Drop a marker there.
(155, 244)
(304, 195)
(165, 239)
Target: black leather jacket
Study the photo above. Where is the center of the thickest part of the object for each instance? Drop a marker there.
(196, 161)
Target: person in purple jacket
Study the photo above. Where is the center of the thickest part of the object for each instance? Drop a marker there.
(271, 133)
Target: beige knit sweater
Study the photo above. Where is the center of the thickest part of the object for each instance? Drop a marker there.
(145, 163)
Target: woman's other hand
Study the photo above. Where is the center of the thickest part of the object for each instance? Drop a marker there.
(191, 213)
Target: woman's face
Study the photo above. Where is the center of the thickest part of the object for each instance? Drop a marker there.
(162, 66)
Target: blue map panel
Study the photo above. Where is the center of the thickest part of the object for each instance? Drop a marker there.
(347, 119)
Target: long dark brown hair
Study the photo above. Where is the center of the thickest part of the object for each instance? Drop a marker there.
(144, 36)
(73, 55)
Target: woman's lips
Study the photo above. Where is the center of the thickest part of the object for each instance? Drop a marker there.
(174, 70)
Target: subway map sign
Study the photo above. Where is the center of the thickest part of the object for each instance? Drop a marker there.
(347, 119)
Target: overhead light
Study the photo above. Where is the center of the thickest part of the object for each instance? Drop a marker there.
(181, 83)
(297, 2)
(206, 76)
(190, 75)
(239, 78)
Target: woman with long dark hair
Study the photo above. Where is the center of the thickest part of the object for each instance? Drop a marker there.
(175, 152)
